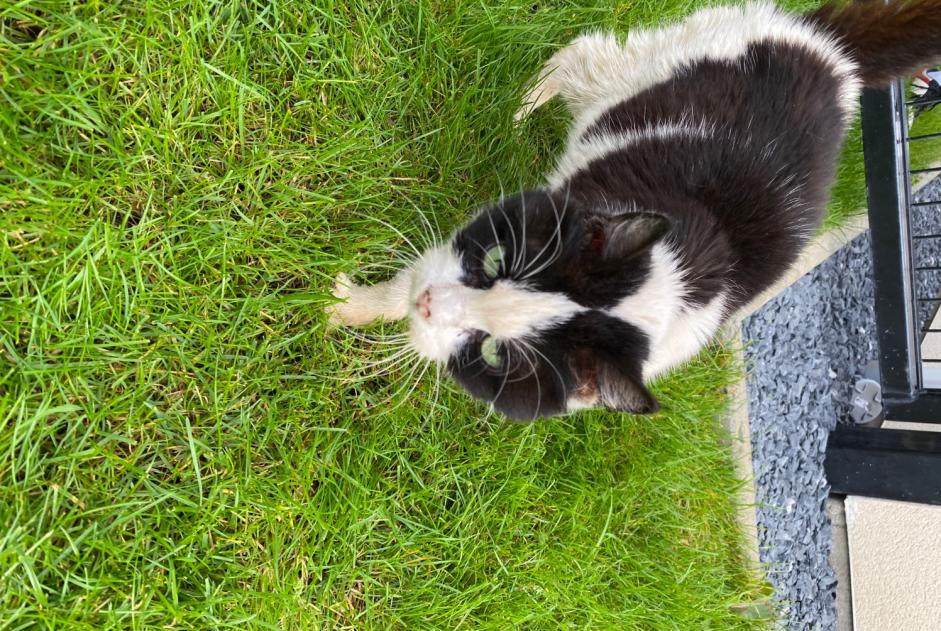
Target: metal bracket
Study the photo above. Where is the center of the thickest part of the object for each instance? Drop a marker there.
(867, 402)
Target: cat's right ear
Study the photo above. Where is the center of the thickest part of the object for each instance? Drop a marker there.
(600, 383)
(623, 393)
(623, 236)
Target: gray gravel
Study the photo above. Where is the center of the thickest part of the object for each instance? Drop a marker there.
(805, 350)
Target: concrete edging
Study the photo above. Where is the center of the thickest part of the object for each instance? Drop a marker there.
(737, 421)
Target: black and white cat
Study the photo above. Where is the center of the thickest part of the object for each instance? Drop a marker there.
(698, 164)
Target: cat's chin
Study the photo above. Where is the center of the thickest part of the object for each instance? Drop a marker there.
(434, 344)
(582, 399)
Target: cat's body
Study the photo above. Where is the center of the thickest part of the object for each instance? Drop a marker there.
(698, 164)
(705, 137)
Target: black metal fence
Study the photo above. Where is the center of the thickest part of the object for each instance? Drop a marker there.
(880, 462)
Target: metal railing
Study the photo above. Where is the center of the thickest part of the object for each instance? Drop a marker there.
(880, 462)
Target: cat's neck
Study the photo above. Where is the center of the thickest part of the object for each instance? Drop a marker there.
(674, 313)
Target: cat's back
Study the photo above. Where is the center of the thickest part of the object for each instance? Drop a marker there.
(731, 120)
(745, 75)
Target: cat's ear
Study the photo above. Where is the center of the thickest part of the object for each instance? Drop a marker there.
(625, 394)
(600, 383)
(623, 236)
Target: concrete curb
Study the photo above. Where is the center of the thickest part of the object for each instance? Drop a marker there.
(737, 421)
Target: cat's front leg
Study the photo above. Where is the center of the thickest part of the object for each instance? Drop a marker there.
(581, 73)
(363, 304)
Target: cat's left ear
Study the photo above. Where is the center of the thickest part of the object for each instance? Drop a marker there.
(623, 236)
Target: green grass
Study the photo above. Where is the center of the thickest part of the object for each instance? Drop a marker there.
(183, 443)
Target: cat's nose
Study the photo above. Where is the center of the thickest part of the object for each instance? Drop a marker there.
(423, 304)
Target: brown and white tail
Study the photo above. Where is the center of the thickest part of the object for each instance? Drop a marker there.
(887, 39)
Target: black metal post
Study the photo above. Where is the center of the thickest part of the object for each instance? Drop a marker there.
(884, 122)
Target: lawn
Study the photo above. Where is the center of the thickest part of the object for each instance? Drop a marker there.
(185, 444)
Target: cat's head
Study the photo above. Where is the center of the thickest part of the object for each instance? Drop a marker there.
(521, 304)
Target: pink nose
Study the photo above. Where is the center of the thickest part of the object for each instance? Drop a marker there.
(423, 304)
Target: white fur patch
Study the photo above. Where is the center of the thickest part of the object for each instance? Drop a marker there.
(596, 71)
(686, 335)
(659, 300)
(512, 311)
(676, 331)
(576, 403)
(438, 267)
(507, 310)
(364, 304)
(582, 151)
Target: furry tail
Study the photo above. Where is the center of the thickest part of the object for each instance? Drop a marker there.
(887, 39)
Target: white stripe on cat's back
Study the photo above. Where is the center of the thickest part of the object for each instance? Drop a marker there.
(583, 151)
(596, 72)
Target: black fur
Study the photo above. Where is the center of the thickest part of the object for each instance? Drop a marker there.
(591, 355)
(887, 39)
(738, 220)
(576, 269)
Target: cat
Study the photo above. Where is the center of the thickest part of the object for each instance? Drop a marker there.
(698, 164)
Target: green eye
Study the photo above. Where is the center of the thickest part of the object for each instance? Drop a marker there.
(490, 353)
(493, 261)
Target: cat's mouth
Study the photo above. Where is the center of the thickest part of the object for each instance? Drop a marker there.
(434, 343)
(437, 320)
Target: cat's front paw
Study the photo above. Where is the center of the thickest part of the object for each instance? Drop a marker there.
(350, 311)
(363, 304)
(341, 286)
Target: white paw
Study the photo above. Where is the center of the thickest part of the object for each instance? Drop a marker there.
(341, 286)
(344, 313)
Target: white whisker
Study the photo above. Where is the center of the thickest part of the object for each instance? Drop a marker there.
(409, 384)
(557, 236)
(388, 363)
(431, 235)
(493, 228)
(401, 234)
(384, 339)
(502, 385)
(551, 365)
(516, 248)
(522, 253)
